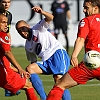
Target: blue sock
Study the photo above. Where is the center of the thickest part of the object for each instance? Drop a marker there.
(37, 84)
(66, 95)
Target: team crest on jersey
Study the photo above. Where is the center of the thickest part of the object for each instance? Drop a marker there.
(62, 5)
(35, 39)
(6, 38)
(82, 23)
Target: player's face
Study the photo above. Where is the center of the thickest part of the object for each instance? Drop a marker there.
(88, 9)
(23, 30)
(3, 24)
(6, 4)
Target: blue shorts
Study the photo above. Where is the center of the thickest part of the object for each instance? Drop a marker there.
(57, 64)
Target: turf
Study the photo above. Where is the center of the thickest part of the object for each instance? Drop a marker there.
(90, 91)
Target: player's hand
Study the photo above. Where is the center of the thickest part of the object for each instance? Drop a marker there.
(24, 73)
(74, 61)
(37, 9)
(69, 24)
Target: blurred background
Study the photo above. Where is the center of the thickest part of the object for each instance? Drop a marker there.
(21, 9)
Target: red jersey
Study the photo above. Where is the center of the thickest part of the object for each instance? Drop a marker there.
(89, 29)
(9, 79)
(4, 46)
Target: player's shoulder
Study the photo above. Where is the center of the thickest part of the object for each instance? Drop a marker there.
(3, 34)
(8, 12)
(9, 15)
(54, 2)
(94, 17)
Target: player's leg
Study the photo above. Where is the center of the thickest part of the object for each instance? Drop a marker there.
(59, 66)
(64, 30)
(75, 76)
(56, 32)
(34, 70)
(8, 93)
(66, 95)
(56, 29)
(67, 42)
(13, 82)
(58, 90)
(29, 90)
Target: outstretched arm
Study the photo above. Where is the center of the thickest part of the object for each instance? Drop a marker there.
(12, 59)
(79, 43)
(49, 16)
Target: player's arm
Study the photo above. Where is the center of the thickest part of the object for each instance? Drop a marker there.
(79, 43)
(13, 61)
(48, 16)
(68, 14)
(69, 19)
(15, 69)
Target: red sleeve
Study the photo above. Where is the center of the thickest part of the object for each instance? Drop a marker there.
(83, 28)
(5, 44)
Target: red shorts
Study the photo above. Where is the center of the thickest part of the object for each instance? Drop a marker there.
(81, 74)
(11, 80)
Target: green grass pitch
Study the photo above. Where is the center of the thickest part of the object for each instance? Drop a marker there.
(90, 91)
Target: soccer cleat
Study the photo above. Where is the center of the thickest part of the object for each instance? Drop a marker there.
(8, 93)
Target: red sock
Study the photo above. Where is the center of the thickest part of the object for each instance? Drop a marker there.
(30, 94)
(55, 94)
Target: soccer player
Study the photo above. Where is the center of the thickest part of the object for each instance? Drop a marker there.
(9, 79)
(61, 12)
(40, 41)
(89, 37)
(6, 4)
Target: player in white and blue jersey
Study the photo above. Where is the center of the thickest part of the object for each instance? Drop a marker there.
(40, 42)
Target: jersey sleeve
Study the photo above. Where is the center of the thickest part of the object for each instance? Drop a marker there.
(5, 44)
(67, 6)
(52, 7)
(83, 28)
(41, 26)
(9, 16)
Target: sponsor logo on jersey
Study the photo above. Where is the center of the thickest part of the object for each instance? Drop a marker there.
(62, 5)
(35, 39)
(98, 19)
(82, 23)
(98, 45)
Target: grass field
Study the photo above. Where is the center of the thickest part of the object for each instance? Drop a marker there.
(90, 91)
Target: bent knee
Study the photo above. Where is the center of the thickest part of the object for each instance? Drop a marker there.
(57, 77)
(28, 85)
(30, 68)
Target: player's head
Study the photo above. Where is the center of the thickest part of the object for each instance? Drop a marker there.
(23, 28)
(6, 3)
(91, 7)
(3, 23)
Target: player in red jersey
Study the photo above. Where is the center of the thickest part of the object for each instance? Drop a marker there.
(9, 79)
(89, 37)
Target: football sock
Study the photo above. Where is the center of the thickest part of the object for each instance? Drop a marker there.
(31, 94)
(55, 94)
(66, 95)
(38, 86)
